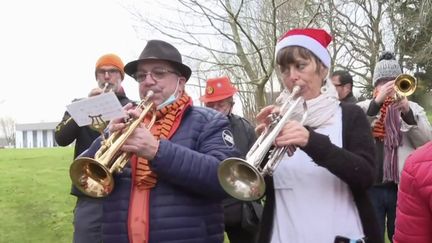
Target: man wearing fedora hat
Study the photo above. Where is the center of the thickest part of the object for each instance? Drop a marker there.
(241, 218)
(170, 192)
(109, 75)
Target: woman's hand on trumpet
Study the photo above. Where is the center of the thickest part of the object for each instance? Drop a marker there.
(293, 133)
(141, 142)
(263, 118)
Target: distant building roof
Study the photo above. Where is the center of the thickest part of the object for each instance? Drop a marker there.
(36, 126)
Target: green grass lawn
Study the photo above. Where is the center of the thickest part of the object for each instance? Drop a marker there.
(35, 204)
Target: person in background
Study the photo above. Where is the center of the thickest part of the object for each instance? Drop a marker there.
(414, 203)
(343, 82)
(241, 218)
(319, 193)
(170, 191)
(88, 211)
(399, 126)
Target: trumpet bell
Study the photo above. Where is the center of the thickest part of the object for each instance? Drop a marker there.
(91, 178)
(241, 180)
(405, 84)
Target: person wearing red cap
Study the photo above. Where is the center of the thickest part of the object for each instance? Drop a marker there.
(241, 218)
(318, 192)
(109, 75)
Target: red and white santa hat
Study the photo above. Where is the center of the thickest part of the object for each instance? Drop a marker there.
(315, 40)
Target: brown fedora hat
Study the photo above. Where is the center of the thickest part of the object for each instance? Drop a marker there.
(159, 50)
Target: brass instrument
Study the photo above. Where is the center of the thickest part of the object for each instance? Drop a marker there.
(244, 178)
(405, 85)
(94, 177)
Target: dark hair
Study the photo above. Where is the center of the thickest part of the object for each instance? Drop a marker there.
(288, 56)
(344, 76)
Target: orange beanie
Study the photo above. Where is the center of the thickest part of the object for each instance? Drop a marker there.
(113, 60)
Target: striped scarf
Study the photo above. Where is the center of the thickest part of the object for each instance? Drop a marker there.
(387, 129)
(145, 178)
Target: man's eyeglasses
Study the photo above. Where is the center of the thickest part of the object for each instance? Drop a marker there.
(156, 74)
(109, 71)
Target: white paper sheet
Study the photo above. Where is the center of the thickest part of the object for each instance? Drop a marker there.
(106, 106)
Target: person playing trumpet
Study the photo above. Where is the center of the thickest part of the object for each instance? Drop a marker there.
(109, 75)
(169, 190)
(399, 126)
(319, 193)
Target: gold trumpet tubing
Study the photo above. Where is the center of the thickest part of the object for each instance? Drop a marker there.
(122, 160)
(115, 146)
(405, 85)
(120, 163)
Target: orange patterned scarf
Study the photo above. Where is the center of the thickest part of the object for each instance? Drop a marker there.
(167, 121)
(379, 127)
(145, 178)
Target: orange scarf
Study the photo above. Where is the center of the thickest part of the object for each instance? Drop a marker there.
(167, 121)
(165, 118)
(378, 130)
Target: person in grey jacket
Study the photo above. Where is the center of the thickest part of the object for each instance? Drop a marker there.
(399, 126)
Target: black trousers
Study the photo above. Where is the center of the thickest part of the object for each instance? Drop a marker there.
(241, 220)
(239, 235)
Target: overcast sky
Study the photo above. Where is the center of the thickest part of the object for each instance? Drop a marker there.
(48, 49)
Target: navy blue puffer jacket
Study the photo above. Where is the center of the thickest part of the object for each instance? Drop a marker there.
(185, 204)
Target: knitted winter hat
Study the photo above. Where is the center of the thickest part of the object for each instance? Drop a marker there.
(112, 60)
(315, 40)
(386, 68)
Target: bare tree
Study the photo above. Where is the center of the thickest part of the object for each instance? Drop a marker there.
(7, 125)
(359, 32)
(235, 38)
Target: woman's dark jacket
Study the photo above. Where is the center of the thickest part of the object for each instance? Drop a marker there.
(354, 164)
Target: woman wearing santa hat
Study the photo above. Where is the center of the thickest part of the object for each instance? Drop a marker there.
(319, 194)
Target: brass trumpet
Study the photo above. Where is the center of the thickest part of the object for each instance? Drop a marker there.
(244, 179)
(94, 177)
(405, 85)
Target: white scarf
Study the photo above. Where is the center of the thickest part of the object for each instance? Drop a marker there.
(319, 109)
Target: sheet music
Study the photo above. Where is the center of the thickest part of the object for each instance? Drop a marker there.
(106, 105)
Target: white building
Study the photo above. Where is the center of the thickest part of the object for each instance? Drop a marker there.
(35, 135)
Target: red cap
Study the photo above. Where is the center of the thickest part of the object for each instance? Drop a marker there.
(218, 89)
(315, 40)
